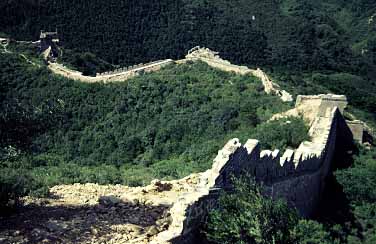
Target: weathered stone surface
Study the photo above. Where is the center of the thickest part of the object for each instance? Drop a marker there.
(117, 75)
(170, 212)
(357, 128)
(212, 58)
(295, 175)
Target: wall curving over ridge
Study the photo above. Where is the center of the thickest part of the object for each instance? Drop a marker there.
(298, 175)
(213, 59)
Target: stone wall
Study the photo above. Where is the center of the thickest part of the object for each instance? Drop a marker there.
(309, 107)
(298, 175)
(204, 54)
(212, 58)
(118, 75)
(132, 67)
(357, 129)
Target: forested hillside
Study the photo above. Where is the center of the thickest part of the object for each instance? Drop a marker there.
(335, 39)
(301, 34)
(161, 125)
(171, 123)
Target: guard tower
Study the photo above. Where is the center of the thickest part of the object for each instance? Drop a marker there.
(49, 44)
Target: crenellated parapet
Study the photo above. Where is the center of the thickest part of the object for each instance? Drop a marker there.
(112, 76)
(213, 59)
(296, 175)
(137, 67)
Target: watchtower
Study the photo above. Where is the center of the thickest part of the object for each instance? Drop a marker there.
(49, 40)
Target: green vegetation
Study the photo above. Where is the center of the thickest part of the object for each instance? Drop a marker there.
(245, 216)
(335, 39)
(166, 124)
(359, 90)
(281, 134)
(88, 63)
(171, 123)
(359, 182)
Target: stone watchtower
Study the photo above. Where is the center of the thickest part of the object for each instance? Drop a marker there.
(49, 44)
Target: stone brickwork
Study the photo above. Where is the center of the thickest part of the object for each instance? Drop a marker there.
(113, 76)
(48, 45)
(197, 53)
(309, 107)
(4, 42)
(213, 59)
(298, 175)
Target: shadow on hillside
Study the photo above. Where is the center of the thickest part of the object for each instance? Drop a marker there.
(78, 224)
(334, 207)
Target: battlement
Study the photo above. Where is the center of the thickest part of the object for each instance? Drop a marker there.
(213, 59)
(202, 52)
(112, 76)
(323, 101)
(48, 42)
(137, 67)
(48, 35)
(296, 175)
(4, 41)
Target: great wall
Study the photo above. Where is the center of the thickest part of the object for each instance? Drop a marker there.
(197, 53)
(297, 175)
(171, 211)
(112, 76)
(214, 60)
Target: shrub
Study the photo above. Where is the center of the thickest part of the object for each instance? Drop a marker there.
(281, 134)
(311, 232)
(245, 216)
(13, 185)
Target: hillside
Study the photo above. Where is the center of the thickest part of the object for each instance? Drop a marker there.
(59, 131)
(300, 34)
(166, 124)
(305, 44)
(83, 135)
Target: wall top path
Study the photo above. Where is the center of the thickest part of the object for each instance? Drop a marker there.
(271, 167)
(213, 59)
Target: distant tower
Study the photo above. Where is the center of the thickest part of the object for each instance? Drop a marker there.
(49, 44)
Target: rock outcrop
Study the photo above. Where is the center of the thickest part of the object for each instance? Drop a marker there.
(171, 211)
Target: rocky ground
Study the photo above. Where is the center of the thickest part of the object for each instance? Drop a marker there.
(91, 213)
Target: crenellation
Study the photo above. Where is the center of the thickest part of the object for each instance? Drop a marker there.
(287, 157)
(295, 175)
(109, 76)
(213, 59)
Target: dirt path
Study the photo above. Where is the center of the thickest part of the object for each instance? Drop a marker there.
(92, 213)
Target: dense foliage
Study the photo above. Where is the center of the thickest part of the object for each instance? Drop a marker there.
(304, 34)
(88, 63)
(160, 125)
(359, 184)
(334, 38)
(171, 123)
(244, 216)
(281, 134)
